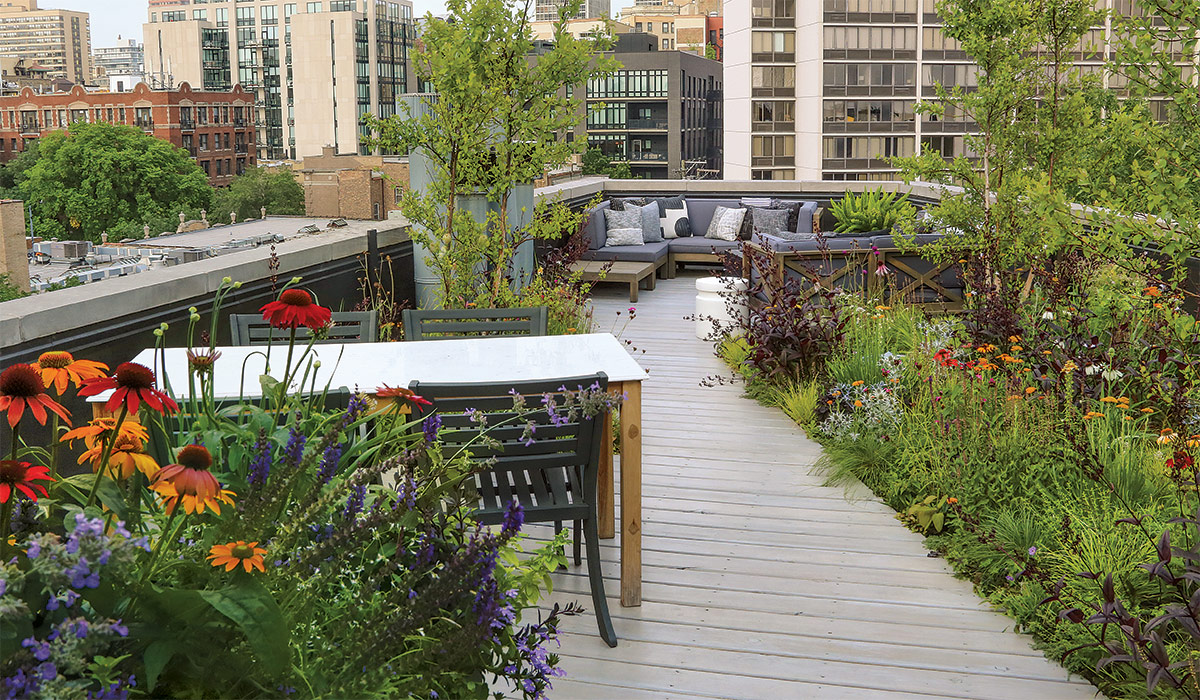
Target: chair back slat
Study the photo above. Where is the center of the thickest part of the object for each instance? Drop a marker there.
(552, 474)
(459, 323)
(347, 327)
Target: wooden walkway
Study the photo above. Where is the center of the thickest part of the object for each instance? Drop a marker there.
(758, 581)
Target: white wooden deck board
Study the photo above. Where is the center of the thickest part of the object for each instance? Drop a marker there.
(759, 582)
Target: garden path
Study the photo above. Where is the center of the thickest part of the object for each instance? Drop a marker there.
(759, 582)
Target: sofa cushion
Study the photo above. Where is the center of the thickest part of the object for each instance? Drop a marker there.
(651, 223)
(814, 243)
(596, 227)
(621, 203)
(700, 212)
(623, 227)
(800, 214)
(699, 244)
(770, 221)
(726, 224)
(677, 224)
(647, 252)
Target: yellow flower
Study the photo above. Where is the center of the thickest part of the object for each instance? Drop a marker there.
(1108, 399)
(128, 455)
(858, 382)
(1030, 389)
(857, 404)
(1069, 367)
(1147, 410)
(1014, 338)
(1166, 436)
(883, 308)
(1017, 348)
(1092, 414)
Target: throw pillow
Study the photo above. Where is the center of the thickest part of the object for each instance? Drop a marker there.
(651, 223)
(670, 210)
(624, 236)
(624, 203)
(716, 221)
(793, 212)
(729, 225)
(771, 221)
(677, 224)
(618, 224)
(793, 236)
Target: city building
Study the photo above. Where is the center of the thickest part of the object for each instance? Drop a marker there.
(660, 113)
(60, 40)
(580, 28)
(827, 90)
(352, 186)
(314, 68)
(17, 73)
(121, 66)
(215, 128)
(547, 10)
(679, 26)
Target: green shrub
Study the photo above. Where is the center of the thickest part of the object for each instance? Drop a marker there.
(873, 210)
(797, 399)
(9, 291)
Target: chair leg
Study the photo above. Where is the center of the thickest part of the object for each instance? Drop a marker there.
(596, 580)
(578, 542)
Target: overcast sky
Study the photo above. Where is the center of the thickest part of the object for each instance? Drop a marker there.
(113, 18)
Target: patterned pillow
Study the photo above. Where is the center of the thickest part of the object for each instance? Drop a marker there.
(652, 231)
(670, 211)
(618, 225)
(793, 212)
(793, 236)
(716, 221)
(624, 236)
(728, 226)
(677, 224)
(624, 203)
(770, 221)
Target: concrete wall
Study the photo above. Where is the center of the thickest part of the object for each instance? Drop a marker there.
(14, 258)
(324, 81)
(736, 56)
(174, 49)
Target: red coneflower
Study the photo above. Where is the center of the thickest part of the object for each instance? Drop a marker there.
(21, 387)
(402, 394)
(190, 482)
(21, 476)
(202, 362)
(294, 308)
(58, 368)
(132, 383)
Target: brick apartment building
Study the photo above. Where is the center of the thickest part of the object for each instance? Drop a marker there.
(215, 128)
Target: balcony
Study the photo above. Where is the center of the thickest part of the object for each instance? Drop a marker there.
(648, 157)
(144, 122)
(187, 123)
(650, 124)
(239, 148)
(30, 128)
(239, 122)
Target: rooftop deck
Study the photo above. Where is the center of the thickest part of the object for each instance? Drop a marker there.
(758, 581)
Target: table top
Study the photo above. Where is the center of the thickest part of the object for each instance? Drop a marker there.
(619, 267)
(365, 366)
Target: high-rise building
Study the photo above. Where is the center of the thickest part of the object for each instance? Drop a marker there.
(827, 90)
(660, 112)
(125, 59)
(315, 68)
(59, 40)
(547, 10)
(215, 128)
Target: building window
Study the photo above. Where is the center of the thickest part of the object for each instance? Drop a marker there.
(868, 111)
(222, 17)
(629, 83)
(397, 195)
(288, 10)
(341, 5)
(177, 16)
(638, 27)
(200, 14)
(773, 80)
(664, 28)
(78, 115)
(204, 142)
(665, 44)
(245, 16)
(314, 7)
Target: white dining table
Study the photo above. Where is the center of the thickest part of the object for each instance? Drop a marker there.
(365, 367)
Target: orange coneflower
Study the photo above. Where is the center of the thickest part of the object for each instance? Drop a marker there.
(294, 308)
(190, 482)
(131, 384)
(229, 555)
(21, 387)
(128, 454)
(58, 368)
(97, 430)
(21, 476)
(202, 362)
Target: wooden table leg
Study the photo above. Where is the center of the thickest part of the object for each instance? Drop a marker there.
(633, 289)
(606, 504)
(631, 496)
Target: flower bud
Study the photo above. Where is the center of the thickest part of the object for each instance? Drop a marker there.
(163, 325)
(158, 332)
(226, 280)
(237, 285)
(194, 317)
(296, 280)
(193, 310)
(316, 364)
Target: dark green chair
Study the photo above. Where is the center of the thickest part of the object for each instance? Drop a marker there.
(459, 323)
(553, 477)
(348, 327)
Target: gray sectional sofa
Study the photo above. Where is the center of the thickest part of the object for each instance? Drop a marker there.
(669, 254)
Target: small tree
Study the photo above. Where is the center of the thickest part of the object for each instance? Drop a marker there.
(95, 178)
(500, 117)
(248, 193)
(596, 163)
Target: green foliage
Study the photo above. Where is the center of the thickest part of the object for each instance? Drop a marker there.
(248, 193)
(710, 52)
(796, 399)
(928, 515)
(13, 172)
(596, 163)
(873, 210)
(494, 126)
(111, 178)
(9, 291)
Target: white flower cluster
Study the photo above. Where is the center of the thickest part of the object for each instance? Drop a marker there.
(937, 334)
(873, 408)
